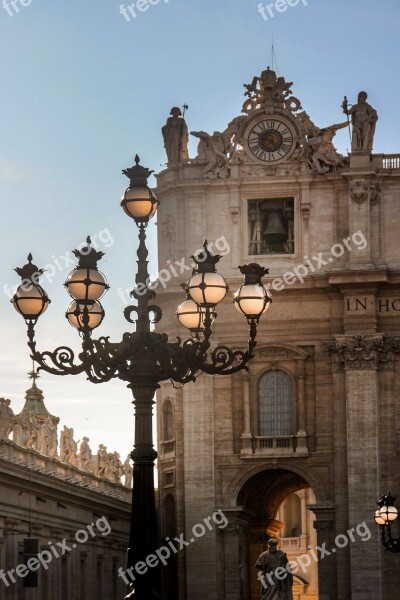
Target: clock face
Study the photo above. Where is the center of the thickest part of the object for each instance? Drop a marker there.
(271, 140)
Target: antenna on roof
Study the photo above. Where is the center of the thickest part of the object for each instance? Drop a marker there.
(272, 55)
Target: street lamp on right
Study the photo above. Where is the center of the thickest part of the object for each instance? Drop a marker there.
(384, 516)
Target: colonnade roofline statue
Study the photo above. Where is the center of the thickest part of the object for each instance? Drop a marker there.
(35, 428)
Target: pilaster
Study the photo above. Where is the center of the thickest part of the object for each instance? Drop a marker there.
(324, 526)
(359, 357)
(247, 437)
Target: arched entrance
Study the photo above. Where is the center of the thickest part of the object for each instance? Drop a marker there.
(265, 497)
(263, 502)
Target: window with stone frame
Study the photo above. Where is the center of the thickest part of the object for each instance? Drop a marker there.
(275, 404)
(168, 421)
(271, 226)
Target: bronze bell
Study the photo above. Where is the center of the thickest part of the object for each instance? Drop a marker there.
(275, 232)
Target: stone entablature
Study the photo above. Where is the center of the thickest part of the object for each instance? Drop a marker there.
(363, 352)
(48, 502)
(31, 460)
(36, 429)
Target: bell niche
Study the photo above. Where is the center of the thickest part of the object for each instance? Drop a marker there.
(271, 229)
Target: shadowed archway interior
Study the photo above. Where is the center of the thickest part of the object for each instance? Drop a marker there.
(263, 493)
(260, 499)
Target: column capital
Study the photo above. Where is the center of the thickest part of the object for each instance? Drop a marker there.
(362, 352)
(325, 516)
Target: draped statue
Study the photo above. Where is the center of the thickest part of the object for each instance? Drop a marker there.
(274, 587)
(6, 419)
(363, 119)
(175, 134)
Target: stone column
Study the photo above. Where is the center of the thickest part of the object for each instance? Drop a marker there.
(301, 409)
(231, 562)
(55, 571)
(247, 437)
(3, 565)
(304, 519)
(324, 525)
(360, 357)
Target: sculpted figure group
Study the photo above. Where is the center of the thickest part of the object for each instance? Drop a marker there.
(315, 150)
(39, 432)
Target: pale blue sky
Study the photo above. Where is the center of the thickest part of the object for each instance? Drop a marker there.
(83, 90)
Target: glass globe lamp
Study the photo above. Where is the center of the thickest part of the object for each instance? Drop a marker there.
(76, 315)
(252, 298)
(86, 283)
(379, 520)
(206, 287)
(192, 316)
(389, 513)
(138, 201)
(30, 299)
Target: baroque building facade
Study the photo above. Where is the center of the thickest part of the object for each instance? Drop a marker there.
(317, 415)
(61, 503)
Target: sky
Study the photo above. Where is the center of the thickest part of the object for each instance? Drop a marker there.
(84, 88)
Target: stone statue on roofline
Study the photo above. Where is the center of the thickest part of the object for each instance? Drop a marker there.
(47, 437)
(175, 134)
(128, 471)
(363, 120)
(216, 151)
(85, 455)
(102, 460)
(6, 419)
(68, 446)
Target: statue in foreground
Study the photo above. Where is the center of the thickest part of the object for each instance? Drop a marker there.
(275, 585)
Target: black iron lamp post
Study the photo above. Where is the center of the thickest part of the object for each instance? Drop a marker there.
(143, 358)
(384, 516)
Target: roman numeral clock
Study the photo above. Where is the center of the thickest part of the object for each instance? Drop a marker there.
(270, 139)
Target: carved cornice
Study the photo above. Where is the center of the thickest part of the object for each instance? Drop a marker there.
(362, 352)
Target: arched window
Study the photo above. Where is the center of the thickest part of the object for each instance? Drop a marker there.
(275, 404)
(168, 421)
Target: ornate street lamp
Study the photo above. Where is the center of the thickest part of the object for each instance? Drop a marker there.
(144, 358)
(384, 516)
